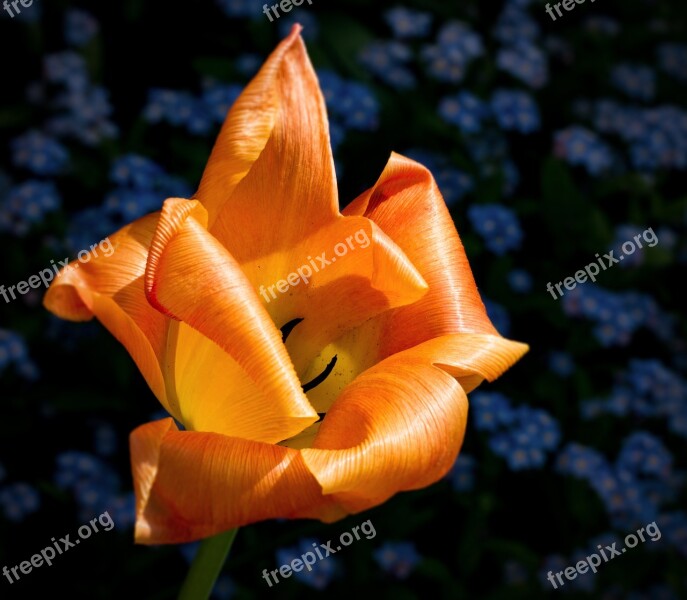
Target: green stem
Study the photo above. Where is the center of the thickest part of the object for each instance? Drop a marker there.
(206, 566)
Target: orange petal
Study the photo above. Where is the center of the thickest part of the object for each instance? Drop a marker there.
(369, 275)
(409, 208)
(400, 424)
(192, 278)
(192, 485)
(270, 180)
(111, 289)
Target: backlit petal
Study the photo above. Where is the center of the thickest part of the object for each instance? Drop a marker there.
(111, 289)
(192, 278)
(270, 180)
(409, 208)
(400, 424)
(193, 485)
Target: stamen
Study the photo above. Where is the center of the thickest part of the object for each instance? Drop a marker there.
(322, 376)
(288, 328)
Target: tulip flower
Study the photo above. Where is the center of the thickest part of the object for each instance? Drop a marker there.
(320, 401)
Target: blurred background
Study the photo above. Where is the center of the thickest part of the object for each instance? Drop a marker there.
(551, 141)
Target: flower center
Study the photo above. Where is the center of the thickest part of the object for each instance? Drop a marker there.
(313, 383)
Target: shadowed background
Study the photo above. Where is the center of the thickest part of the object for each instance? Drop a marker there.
(550, 140)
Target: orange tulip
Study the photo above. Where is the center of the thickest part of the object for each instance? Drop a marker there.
(388, 339)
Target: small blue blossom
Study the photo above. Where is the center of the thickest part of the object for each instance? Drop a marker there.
(189, 551)
(457, 35)
(27, 204)
(133, 170)
(88, 227)
(183, 109)
(389, 61)
(224, 588)
(358, 108)
(168, 105)
(249, 64)
(552, 563)
(399, 559)
(408, 23)
(94, 484)
(491, 147)
(636, 81)
(674, 528)
(529, 436)
(85, 115)
(66, 68)
(561, 363)
(520, 281)
(657, 139)
(526, 62)
(453, 183)
(128, 205)
(351, 106)
(84, 109)
(634, 488)
(242, 8)
(105, 439)
(511, 177)
(491, 410)
(635, 255)
(18, 501)
(498, 226)
(515, 110)
(307, 19)
(80, 27)
(672, 59)
(580, 146)
(75, 467)
(320, 574)
(646, 389)
(644, 454)
(515, 25)
(457, 45)
(580, 461)
(462, 474)
(498, 315)
(14, 351)
(122, 509)
(39, 153)
(465, 110)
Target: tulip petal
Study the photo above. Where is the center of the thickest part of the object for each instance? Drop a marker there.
(193, 279)
(351, 272)
(399, 425)
(111, 289)
(409, 208)
(192, 485)
(270, 180)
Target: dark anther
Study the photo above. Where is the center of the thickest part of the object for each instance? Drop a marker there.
(322, 376)
(288, 328)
